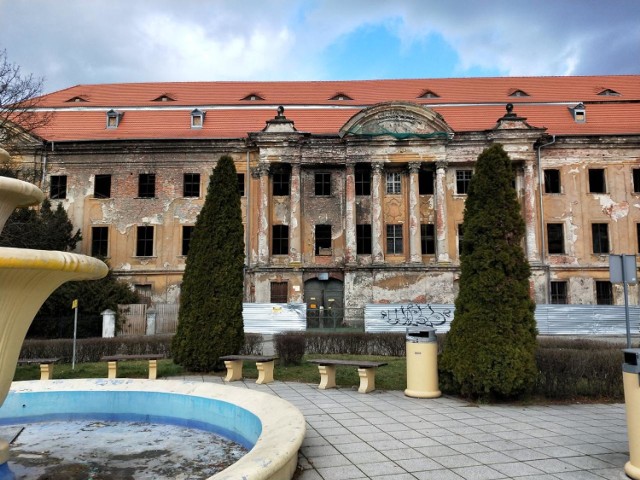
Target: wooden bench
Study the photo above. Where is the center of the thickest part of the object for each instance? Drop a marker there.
(264, 364)
(46, 366)
(114, 359)
(366, 371)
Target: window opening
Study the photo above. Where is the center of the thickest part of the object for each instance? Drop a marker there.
(114, 118)
(279, 292)
(147, 185)
(323, 183)
(460, 238)
(144, 244)
(241, 184)
(144, 291)
(58, 187)
(102, 186)
(323, 240)
(363, 239)
(425, 182)
(197, 118)
(191, 185)
(394, 239)
(597, 183)
(428, 238)
(604, 293)
(552, 181)
(394, 183)
(281, 184)
(600, 233)
(555, 238)
(558, 293)
(280, 239)
(187, 235)
(636, 180)
(463, 179)
(99, 241)
(363, 181)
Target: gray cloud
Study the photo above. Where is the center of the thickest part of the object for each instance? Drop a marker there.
(78, 41)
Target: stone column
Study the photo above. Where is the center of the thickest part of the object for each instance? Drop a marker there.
(295, 240)
(262, 172)
(530, 212)
(442, 248)
(415, 247)
(377, 222)
(351, 246)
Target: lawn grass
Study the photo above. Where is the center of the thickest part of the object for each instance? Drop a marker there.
(390, 377)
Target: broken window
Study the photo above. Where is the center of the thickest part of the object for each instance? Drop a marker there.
(636, 180)
(363, 181)
(144, 242)
(323, 183)
(394, 239)
(279, 292)
(58, 188)
(428, 238)
(191, 185)
(280, 239)
(425, 182)
(102, 186)
(147, 185)
(558, 293)
(604, 293)
(363, 239)
(600, 234)
(241, 184)
(281, 184)
(187, 234)
(597, 183)
(394, 183)
(552, 181)
(323, 239)
(555, 238)
(99, 241)
(463, 179)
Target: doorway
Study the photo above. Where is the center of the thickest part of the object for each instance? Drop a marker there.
(325, 303)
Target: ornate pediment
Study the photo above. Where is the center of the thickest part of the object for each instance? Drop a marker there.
(399, 120)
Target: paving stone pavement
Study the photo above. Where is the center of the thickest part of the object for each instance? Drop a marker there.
(386, 435)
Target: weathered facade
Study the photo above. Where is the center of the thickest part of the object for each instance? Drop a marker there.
(356, 198)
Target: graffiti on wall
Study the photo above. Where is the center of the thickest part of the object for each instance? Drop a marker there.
(415, 315)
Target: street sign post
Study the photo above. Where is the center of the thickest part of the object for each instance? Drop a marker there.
(623, 269)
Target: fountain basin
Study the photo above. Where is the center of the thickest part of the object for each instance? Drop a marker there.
(270, 427)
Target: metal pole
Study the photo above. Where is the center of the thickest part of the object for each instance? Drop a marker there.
(75, 332)
(626, 303)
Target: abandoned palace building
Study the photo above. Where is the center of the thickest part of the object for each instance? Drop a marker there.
(352, 191)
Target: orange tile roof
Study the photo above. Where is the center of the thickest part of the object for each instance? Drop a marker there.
(467, 104)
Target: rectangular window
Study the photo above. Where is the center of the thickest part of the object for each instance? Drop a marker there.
(600, 236)
(604, 293)
(555, 237)
(597, 183)
(428, 238)
(102, 186)
(552, 181)
(636, 180)
(323, 239)
(58, 188)
(558, 293)
(281, 184)
(187, 234)
(323, 183)
(394, 183)
(279, 292)
(460, 238)
(280, 239)
(99, 241)
(241, 184)
(144, 242)
(147, 185)
(425, 182)
(191, 185)
(638, 235)
(394, 239)
(363, 239)
(463, 179)
(144, 291)
(363, 181)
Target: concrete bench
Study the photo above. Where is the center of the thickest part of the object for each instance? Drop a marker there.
(234, 364)
(114, 359)
(46, 365)
(366, 371)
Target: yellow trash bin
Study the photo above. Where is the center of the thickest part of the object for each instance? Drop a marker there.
(631, 381)
(422, 363)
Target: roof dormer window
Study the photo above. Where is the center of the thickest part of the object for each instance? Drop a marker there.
(579, 113)
(164, 98)
(518, 93)
(607, 92)
(429, 94)
(77, 99)
(252, 97)
(197, 118)
(341, 96)
(114, 118)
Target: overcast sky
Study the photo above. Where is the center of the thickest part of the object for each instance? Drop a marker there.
(70, 42)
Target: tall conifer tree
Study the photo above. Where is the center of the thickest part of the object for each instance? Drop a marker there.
(490, 350)
(210, 316)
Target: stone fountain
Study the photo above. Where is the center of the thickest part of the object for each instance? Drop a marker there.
(27, 278)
